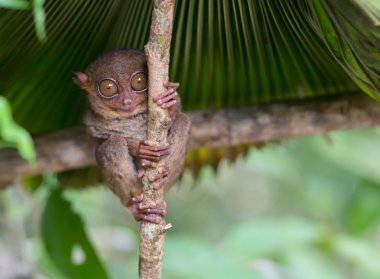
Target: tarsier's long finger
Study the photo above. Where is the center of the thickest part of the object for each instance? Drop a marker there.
(169, 84)
(157, 176)
(152, 159)
(169, 97)
(150, 218)
(169, 104)
(161, 183)
(154, 210)
(158, 154)
(138, 198)
(146, 163)
(150, 145)
(140, 173)
(163, 94)
(155, 148)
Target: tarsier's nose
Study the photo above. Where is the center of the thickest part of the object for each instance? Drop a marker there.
(127, 102)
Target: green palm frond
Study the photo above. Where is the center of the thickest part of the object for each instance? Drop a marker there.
(225, 53)
(14, 4)
(350, 29)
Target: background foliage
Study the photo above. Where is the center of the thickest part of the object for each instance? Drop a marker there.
(307, 208)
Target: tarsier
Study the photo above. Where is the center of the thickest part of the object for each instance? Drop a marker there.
(117, 87)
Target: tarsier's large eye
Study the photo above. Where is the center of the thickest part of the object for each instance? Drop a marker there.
(139, 82)
(108, 88)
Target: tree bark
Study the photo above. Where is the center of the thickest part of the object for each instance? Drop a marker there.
(152, 236)
(73, 148)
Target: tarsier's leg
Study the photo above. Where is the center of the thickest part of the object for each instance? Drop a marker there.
(179, 135)
(119, 170)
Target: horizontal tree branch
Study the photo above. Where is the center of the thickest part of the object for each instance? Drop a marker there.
(73, 148)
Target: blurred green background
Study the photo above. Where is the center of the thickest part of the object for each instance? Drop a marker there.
(301, 209)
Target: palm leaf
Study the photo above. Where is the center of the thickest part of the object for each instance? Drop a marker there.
(350, 29)
(224, 53)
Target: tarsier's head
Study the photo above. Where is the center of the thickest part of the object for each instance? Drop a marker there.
(117, 83)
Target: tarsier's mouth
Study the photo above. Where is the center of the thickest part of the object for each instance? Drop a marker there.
(125, 109)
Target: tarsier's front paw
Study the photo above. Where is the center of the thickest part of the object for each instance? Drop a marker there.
(150, 154)
(146, 212)
(168, 98)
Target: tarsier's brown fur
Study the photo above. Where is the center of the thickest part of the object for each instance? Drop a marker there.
(120, 125)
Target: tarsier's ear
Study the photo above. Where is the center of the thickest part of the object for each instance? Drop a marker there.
(81, 79)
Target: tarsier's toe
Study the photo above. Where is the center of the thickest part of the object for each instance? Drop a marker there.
(160, 178)
(150, 218)
(162, 172)
(153, 209)
(146, 212)
(161, 183)
(147, 163)
(138, 199)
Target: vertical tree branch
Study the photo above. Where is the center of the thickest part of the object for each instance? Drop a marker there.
(157, 50)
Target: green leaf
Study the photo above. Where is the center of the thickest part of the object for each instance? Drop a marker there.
(14, 4)
(39, 19)
(66, 241)
(32, 182)
(224, 54)
(12, 133)
(363, 209)
(350, 29)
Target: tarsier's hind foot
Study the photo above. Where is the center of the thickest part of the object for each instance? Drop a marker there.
(146, 212)
(149, 212)
(159, 179)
